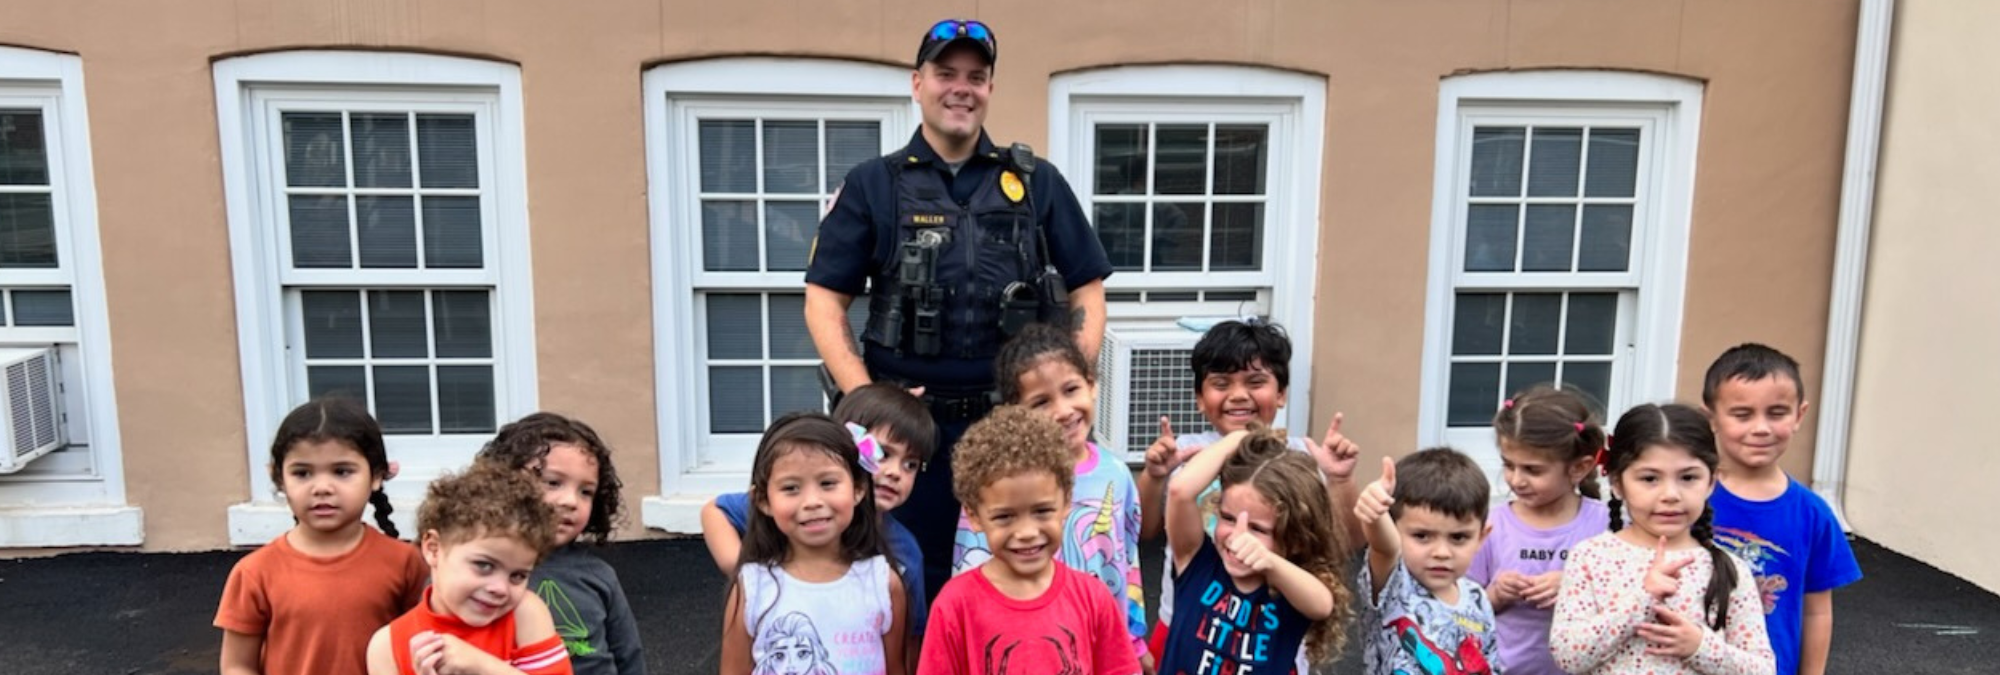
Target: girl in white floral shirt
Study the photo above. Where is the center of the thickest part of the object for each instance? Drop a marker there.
(1659, 597)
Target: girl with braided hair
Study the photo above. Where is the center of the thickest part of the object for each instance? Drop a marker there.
(1659, 596)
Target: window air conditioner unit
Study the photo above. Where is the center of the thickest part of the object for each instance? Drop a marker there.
(1141, 375)
(30, 406)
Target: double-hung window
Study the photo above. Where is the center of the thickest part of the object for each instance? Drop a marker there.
(380, 252)
(1562, 250)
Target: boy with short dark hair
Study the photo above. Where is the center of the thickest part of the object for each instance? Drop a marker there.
(1794, 545)
(1424, 520)
(1022, 611)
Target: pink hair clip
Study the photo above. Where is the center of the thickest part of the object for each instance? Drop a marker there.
(1509, 403)
(1579, 427)
(869, 448)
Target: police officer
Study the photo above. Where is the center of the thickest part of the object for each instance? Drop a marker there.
(957, 242)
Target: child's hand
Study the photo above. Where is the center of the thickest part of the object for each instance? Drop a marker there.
(1541, 589)
(1506, 587)
(1376, 499)
(1665, 577)
(436, 653)
(1674, 635)
(1165, 455)
(1247, 548)
(1337, 455)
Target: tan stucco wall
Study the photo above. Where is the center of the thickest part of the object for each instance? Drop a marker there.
(1763, 214)
(1919, 457)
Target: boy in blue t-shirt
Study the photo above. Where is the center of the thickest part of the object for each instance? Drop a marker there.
(1788, 535)
(904, 438)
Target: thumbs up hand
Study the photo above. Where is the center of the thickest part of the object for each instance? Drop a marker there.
(1248, 548)
(1376, 499)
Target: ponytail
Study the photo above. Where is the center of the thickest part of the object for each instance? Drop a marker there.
(1589, 486)
(1723, 580)
(380, 500)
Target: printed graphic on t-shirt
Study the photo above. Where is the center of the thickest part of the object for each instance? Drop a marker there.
(791, 646)
(570, 625)
(1001, 651)
(1463, 658)
(1235, 632)
(1761, 554)
(1092, 529)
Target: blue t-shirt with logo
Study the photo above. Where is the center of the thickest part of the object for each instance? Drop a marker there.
(1794, 546)
(902, 546)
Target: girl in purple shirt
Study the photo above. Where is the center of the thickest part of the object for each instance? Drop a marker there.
(1549, 448)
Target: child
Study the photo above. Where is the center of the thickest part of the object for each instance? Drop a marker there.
(1042, 370)
(483, 531)
(1422, 614)
(904, 436)
(813, 583)
(573, 466)
(310, 599)
(1275, 589)
(1242, 370)
(1786, 533)
(1022, 611)
(1659, 597)
(1549, 445)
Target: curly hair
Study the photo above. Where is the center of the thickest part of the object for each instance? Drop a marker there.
(337, 418)
(1010, 441)
(1036, 343)
(1557, 423)
(525, 444)
(485, 501)
(1305, 531)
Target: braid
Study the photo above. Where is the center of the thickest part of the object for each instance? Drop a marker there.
(1617, 513)
(1723, 580)
(380, 500)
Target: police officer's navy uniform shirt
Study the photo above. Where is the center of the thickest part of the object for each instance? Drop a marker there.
(859, 236)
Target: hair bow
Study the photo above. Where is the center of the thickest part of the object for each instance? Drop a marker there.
(870, 449)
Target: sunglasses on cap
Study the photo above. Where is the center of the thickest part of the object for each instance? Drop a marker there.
(947, 31)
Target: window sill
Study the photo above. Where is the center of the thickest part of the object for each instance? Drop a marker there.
(676, 513)
(257, 523)
(60, 526)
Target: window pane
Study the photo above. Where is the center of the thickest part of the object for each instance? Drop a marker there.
(1122, 230)
(1475, 391)
(849, 143)
(1181, 159)
(1496, 161)
(387, 229)
(1552, 167)
(735, 399)
(1614, 163)
(789, 339)
(1607, 238)
(24, 158)
(1545, 246)
(332, 322)
(1121, 159)
(728, 155)
(315, 150)
(1593, 323)
(795, 388)
(465, 399)
(1239, 159)
(729, 236)
(735, 326)
(789, 228)
(319, 231)
(1489, 237)
(1177, 236)
(381, 149)
(1535, 323)
(1477, 323)
(1236, 242)
(347, 381)
(396, 324)
(464, 324)
(43, 308)
(403, 399)
(791, 157)
(1594, 378)
(27, 231)
(452, 235)
(1521, 376)
(449, 149)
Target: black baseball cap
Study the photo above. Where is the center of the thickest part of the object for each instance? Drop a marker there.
(951, 31)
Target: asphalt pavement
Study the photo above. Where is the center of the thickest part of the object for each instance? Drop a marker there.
(128, 613)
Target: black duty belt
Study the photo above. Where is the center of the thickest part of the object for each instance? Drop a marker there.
(959, 408)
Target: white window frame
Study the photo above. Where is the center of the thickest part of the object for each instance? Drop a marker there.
(1294, 105)
(67, 498)
(676, 95)
(1647, 354)
(249, 91)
